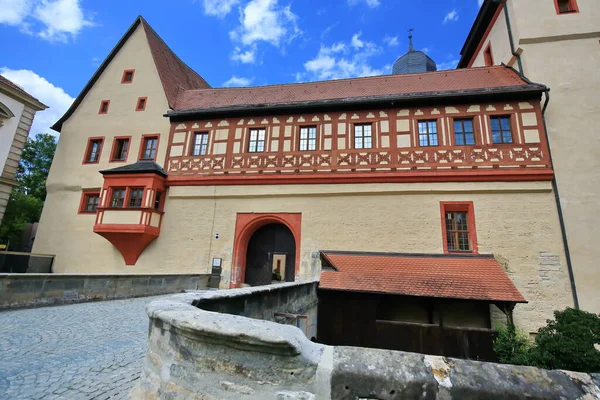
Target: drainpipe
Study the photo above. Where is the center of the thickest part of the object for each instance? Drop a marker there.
(510, 35)
(563, 229)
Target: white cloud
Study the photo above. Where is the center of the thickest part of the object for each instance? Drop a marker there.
(479, 2)
(356, 42)
(425, 50)
(370, 3)
(451, 16)
(54, 97)
(341, 60)
(52, 20)
(238, 81)
(391, 40)
(447, 65)
(265, 20)
(245, 57)
(218, 8)
(14, 12)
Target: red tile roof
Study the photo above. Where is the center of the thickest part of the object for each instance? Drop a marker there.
(462, 277)
(432, 83)
(174, 74)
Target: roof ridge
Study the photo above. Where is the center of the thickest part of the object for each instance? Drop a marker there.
(405, 255)
(145, 24)
(359, 78)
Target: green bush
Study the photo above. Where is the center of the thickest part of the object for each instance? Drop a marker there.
(567, 342)
(512, 346)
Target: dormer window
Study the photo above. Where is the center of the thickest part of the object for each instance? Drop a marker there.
(127, 76)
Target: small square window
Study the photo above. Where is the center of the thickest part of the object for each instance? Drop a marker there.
(566, 6)
(135, 197)
(89, 202)
(428, 133)
(127, 76)
(141, 104)
(308, 138)
(149, 148)
(200, 145)
(120, 149)
(117, 198)
(104, 107)
(93, 151)
(363, 138)
(501, 130)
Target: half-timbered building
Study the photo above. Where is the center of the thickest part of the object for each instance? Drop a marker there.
(430, 186)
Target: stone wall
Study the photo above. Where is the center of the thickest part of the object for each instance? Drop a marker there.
(198, 354)
(38, 290)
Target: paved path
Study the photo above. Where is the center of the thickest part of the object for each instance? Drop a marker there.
(79, 351)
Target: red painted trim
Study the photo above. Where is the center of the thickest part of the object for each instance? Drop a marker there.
(137, 106)
(114, 145)
(85, 193)
(478, 175)
(488, 55)
(485, 35)
(87, 150)
(107, 102)
(246, 225)
(125, 73)
(572, 5)
(143, 142)
(462, 206)
(130, 241)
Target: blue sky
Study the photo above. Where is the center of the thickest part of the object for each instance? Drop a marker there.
(52, 47)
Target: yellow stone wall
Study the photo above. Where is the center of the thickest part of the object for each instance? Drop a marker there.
(563, 52)
(517, 222)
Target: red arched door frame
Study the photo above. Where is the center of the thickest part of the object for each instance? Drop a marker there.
(245, 226)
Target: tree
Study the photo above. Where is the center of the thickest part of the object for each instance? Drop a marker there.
(567, 342)
(34, 167)
(26, 200)
(512, 346)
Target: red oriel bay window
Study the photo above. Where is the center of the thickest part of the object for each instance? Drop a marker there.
(458, 227)
(130, 209)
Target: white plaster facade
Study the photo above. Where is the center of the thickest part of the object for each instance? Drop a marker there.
(17, 110)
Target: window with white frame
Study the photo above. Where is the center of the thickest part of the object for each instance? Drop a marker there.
(362, 136)
(200, 144)
(308, 138)
(256, 144)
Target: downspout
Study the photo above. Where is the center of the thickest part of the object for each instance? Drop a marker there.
(563, 229)
(510, 35)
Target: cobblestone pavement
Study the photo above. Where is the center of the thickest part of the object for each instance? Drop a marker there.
(79, 351)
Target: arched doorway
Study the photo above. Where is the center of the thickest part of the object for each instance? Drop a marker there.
(271, 255)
